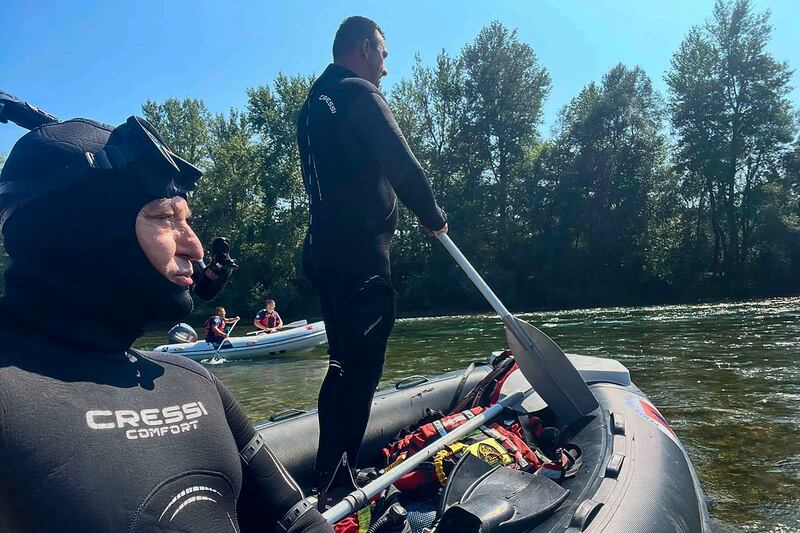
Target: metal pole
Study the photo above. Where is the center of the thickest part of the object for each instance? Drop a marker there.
(359, 498)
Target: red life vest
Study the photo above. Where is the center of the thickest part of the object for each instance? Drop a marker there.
(210, 334)
(269, 320)
(510, 438)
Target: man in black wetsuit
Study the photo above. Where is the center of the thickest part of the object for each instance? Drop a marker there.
(355, 163)
(94, 435)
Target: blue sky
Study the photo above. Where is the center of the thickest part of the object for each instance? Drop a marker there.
(104, 59)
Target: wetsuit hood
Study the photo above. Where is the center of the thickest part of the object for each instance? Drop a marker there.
(77, 271)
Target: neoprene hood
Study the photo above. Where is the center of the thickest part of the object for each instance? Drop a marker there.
(78, 272)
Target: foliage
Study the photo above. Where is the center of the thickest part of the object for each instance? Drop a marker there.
(605, 211)
(184, 125)
(733, 122)
(595, 182)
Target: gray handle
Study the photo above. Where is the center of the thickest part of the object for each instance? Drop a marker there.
(473, 274)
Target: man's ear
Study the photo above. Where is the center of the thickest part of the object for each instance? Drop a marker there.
(365, 48)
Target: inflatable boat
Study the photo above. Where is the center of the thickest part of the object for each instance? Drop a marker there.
(296, 339)
(633, 473)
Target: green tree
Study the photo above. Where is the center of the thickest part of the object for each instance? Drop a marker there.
(183, 124)
(600, 170)
(732, 118)
(776, 233)
(472, 122)
(272, 114)
(431, 110)
(505, 87)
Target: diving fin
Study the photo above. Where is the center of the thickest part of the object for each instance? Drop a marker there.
(480, 497)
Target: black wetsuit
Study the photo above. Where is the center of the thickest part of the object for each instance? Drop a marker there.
(97, 440)
(355, 163)
(95, 436)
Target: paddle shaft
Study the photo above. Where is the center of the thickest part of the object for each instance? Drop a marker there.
(360, 498)
(487, 292)
(295, 324)
(223, 340)
(473, 275)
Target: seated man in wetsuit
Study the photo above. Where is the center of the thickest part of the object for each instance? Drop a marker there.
(268, 320)
(215, 330)
(96, 435)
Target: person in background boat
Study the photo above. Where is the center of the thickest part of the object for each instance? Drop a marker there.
(355, 164)
(94, 434)
(215, 326)
(268, 320)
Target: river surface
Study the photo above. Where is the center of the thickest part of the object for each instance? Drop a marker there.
(726, 376)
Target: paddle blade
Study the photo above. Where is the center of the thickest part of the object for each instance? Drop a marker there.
(549, 371)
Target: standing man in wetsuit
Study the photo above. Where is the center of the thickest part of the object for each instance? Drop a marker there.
(95, 435)
(356, 164)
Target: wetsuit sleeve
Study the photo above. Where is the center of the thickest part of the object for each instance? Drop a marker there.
(268, 490)
(260, 314)
(375, 126)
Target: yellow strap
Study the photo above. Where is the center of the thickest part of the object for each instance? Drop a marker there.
(438, 460)
(400, 459)
(364, 519)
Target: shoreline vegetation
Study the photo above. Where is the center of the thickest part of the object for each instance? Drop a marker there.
(197, 319)
(635, 197)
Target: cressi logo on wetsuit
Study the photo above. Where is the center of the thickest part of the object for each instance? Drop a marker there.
(356, 164)
(147, 423)
(325, 98)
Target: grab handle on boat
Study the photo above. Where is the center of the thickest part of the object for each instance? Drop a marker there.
(286, 414)
(410, 381)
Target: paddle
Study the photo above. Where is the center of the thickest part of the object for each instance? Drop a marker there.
(360, 497)
(295, 324)
(541, 361)
(215, 359)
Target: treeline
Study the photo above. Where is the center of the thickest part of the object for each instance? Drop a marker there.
(636, 197)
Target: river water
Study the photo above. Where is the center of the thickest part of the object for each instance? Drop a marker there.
(726, 376)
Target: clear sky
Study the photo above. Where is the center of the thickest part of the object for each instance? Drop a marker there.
(103, 59)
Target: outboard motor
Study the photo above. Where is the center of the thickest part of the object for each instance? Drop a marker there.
(181, 333)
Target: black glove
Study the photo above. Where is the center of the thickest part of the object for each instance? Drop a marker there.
(210, 280)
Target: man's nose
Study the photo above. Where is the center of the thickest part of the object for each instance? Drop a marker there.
(189, 245)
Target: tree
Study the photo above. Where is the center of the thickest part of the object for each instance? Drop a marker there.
(272, 114)
(600, 170)
(505, 88)
(732, 120)
(776, 233)
(183, 124)
(431, 110)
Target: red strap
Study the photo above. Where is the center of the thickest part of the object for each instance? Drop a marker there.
(499, 387)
